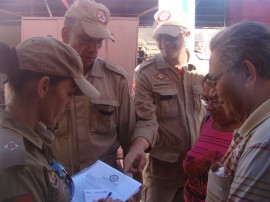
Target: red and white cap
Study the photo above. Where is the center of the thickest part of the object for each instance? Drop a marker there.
(94, 18)
(171, 23)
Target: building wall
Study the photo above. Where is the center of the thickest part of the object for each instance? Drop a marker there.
(243, 10)
(10, 35)
(121, 52)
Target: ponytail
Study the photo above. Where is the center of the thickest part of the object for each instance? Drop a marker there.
(8, 60)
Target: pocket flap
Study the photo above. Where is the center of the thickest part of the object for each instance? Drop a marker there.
(165, 91)
(112, 102)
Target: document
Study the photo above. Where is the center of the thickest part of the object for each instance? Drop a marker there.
(101, 176)
(95, 194)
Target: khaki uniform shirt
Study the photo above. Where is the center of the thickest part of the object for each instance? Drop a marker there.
(24, 169)
(94, 129)
(168, 106)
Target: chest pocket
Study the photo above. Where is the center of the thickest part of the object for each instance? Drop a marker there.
(167, 103)
(197, 91)
(104, 117)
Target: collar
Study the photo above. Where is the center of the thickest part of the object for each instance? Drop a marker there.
(257, 117)
(163, 64)
(37, 136)
(96, 70)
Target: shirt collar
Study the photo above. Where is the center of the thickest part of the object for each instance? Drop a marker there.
(163, 64)
(257, 117)
(96, 70)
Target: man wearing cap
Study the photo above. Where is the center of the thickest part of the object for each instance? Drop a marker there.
(167, 101)
(94, 129)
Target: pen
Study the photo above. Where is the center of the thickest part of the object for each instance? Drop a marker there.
(108, 196)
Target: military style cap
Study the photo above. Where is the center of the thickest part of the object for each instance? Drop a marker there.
(94, 18)
(171, 23)
(50, 56)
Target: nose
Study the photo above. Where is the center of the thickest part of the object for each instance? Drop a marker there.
(163, 41)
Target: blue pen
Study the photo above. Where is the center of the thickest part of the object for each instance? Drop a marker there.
(108, 196)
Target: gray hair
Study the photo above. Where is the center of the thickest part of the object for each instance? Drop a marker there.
(71, 23)
(244, 41)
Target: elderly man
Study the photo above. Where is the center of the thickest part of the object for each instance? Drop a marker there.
(167, 100)
(94, 129)
(240, 75)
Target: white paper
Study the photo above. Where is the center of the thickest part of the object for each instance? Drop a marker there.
(102, 176)
(95, 194)
(220, 172)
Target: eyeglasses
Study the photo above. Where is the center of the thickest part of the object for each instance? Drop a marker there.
(206, 101)
(213, 82)
(63, 174)
(166, 37)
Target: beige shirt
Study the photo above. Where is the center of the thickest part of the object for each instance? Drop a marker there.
(24, 170)
(94, 129)
(168, 106)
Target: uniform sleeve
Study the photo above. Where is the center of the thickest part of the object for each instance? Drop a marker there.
(18, 182)
(251, 180)
(126, 122)
(146, 119)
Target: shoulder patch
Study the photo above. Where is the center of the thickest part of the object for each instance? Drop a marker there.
(145, 64)
(12, 149)
(115, 68)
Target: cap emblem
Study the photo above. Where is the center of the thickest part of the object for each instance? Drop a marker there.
(102, 18)
(163, 16)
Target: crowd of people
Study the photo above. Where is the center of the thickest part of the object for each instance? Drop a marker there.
(192, 130)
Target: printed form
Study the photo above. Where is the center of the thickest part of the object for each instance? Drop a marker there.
(98, 180)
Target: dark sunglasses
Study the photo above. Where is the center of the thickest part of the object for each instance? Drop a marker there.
(63, 174)
(166, 37)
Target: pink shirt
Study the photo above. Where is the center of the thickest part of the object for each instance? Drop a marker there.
(209, 149)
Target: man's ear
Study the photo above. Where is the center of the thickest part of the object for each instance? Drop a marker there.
(250, 72)
(43, 86)
(65, 34)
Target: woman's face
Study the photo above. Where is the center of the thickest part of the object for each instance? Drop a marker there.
(56, 100)
(215, 109)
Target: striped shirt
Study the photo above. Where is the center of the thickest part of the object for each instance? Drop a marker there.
(248, 158)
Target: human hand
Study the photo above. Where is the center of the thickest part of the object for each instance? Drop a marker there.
(135, 159)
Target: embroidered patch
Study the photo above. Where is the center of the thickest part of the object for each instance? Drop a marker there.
(11, 145)
(102, 18)
(160, 76)
(53, 178)
(163, 16)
